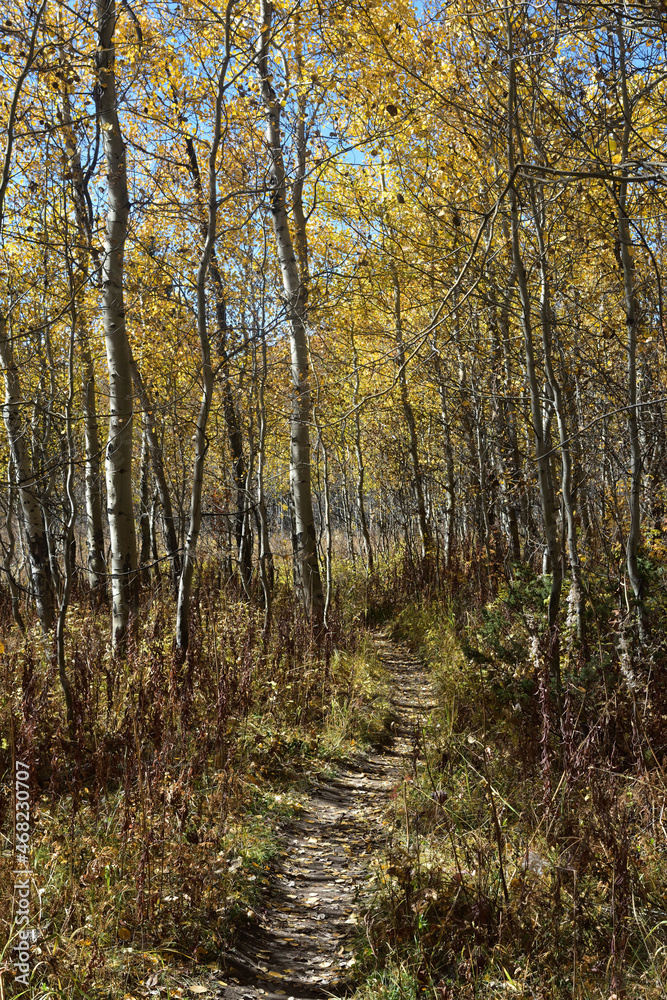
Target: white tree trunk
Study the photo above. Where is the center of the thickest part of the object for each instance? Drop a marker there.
(234, 435)
(539, 435)
(201, 440)
(266, 570)
(8, 549)
(150, 437)
(145, 552)
(120, 510)
(632, 321)
(307, 570)
(408, 413)
(31, 510)
(97, 570)
(361, 472)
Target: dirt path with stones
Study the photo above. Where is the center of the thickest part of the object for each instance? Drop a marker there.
(299, 944)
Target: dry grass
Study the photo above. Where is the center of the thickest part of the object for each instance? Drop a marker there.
(152, 830)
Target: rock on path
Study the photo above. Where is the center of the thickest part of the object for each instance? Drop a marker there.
(299, 944)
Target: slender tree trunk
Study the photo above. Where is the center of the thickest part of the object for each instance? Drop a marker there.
(31, 510)
(153, 530)
(234, 435)
(507, 463)
(328, 551)
(145, 553)
(482, 465)
(151, 439)
(450, 480)
(307, 571)
(97, 569)
(119, 445)
(632, 322)
(201, 447)
(201, 439)
(69, 526)
(361, 500)
(408, 413)
(246, 543)
(540, 431)
(266, 570)
(576, 588)
(46, 462)
(347, 511)
(541, 451)
(33, 521)
(9, 549)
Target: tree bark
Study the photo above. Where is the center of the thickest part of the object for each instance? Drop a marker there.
(576, 588)
(120, 510)
(408, 413)
(31, 510)
(632, 322)
(328, 551)
(69, 525)
(541, 452)
(150, 436)
(234, 435)
(9, 550)
(145, 553)
(307, 569)
(361, 472)
(97, 569)
(266, 569)
(508, 462)
(201, 439)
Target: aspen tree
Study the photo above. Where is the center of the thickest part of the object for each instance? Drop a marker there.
(120, 509)
(26, 485)
(632, 324)
(200, 437)
(96, 562)
(32, 515)
(307, 571)
(547, 498)
(361, 471)
(408, 413)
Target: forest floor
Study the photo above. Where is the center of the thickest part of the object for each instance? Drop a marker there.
(300, 940)
(394, 814)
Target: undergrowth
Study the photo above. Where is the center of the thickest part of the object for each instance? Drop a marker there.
(153, 828)
(527, 852)
(529, 857)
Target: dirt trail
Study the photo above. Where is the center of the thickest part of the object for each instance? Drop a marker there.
(299, 944)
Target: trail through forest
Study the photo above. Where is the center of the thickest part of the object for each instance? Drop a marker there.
(299, 944)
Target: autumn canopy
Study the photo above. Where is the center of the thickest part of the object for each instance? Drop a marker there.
(386, 276)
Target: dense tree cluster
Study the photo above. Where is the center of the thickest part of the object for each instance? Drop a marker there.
(390, 271)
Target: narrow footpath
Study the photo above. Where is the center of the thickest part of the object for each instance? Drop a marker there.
(299, 944)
